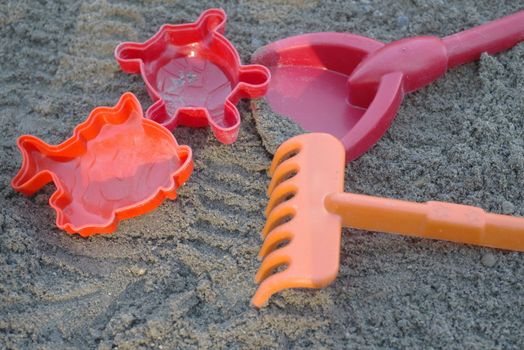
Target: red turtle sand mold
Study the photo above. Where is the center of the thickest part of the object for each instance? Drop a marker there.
(115, 166)
(194, 75)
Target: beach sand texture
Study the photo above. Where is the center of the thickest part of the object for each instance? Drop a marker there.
(182, 275)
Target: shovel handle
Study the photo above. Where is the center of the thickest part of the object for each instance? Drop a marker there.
(491, 37)
(435, 220)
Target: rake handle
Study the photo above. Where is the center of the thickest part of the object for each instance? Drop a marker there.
(435, 220)
(492, 37)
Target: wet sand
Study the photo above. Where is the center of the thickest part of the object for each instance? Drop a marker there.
(182, 276)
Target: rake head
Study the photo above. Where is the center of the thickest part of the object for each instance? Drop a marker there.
(301, 238)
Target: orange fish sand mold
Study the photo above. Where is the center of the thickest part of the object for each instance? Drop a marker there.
(115, 166)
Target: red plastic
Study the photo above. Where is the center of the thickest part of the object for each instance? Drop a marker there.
(116, 165)
(351, 86)
(194, 75)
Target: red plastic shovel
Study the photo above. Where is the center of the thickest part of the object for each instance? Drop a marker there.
(351, 86)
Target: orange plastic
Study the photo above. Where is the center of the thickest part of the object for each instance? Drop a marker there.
(307, 209)
(116, 165)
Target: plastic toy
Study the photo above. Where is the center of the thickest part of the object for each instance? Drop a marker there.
(351, 86)
(116, 165)
(194, 75)
(307, 209)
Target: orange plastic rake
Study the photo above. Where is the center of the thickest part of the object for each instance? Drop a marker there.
(307, 209)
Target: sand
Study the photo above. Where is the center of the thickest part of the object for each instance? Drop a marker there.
(182, 276)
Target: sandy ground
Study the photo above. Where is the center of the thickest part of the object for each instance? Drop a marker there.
(182, 276)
